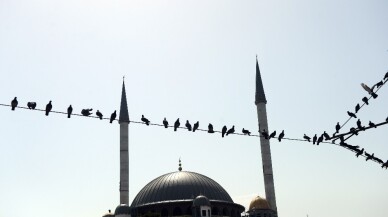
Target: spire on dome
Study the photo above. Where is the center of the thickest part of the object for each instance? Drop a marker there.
(180, 165)
(124, 117)
(260, 95)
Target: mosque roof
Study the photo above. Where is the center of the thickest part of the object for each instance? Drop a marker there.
(180, 186)
(258, 203)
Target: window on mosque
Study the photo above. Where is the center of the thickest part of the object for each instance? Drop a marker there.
(203, 212)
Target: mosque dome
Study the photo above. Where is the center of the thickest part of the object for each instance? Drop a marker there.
(258, 203)
(180, 186)
(201, 201)
(122, 209)
(109, 214)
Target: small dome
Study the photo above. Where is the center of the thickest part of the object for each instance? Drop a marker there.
(201, 201)
(258, 203)
(123, 209)
(109, 214)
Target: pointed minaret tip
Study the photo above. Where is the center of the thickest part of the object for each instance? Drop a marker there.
(180, 165)
(124, 116)
(260, 95)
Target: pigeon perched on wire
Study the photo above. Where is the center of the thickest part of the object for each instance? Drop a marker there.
(360, 152)
(369, 90)
(307, 138)
(188, 125)
(86, 112)
(369, 156)
(14, 103)
(195, 126)
(327, 137)
(210, 128)
(223, 132)
(281, 136)
(371, 124)
(386, 163)
(165, 123)
(272, 135)
(386, 76)
(359, 125)
(337, 127)
(49, 106)
(352, 114)
(69, 111)
(378, 84)
(265, 134)
(315, 139)
(176, 124)
(378, 160)
(145, 120)
(357, 108)
(31, 105)
(365, 100)
(112, 117)
(354, 131)
(246, 132)
(99, 114)
(230, 131)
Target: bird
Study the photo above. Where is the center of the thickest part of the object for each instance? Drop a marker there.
(357, 108)
(369, 90)
(188, 125)
(272, 135)
(386, 163)
(265, 134)
(49, 106)
(196, 125)
(176, 124)
(230, 131)
(386, 76)
(224, 129)
(281, 136)
(354, 131)
(360, 152)
(371, 124)
(69, 111)
(86, 112)
(359, 125)
(145, 120)
(352, 114)
(315, 139)
(378, 84)
(337, 127)
(14, 103)
(99, 114)
(320, 139)
(378, 160)
(369, 156)
(31, 105)
(246, 132)
(113, 116)
(165, 123)
(210, 128)
(365, 100)
(386, 119)
(306, 138)
(327, 137)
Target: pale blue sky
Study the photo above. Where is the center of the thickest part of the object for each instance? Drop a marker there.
(193, 60)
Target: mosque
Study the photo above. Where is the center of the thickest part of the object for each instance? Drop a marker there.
(183, 193)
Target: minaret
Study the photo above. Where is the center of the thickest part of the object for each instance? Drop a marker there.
(124, 121)
(261, 102)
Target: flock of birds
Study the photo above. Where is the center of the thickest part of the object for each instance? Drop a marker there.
(323, 138)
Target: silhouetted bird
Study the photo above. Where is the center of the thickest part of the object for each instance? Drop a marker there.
(369, 156)
(371, 124)
(386, 76)
(281, 136)
(246, 132)
(49, 106)
(369, 90)
(210, 128)
(31, 105)
(99, 114)
(379, 84)
(320, 139)
(264, 133)
(113, 116)
(195, 126)
(176, 124)
(69, 111)
(352, 114)
(188, 125)
(224, 129)
(86, 112)
(145, 120)
(357, 108)
(14, 103)
(307, 138)
(165, 123)
(359, 125)
(354, 131)
(386, 119)
(378, 160)
(360, 152)
(315, 139)
(327, 137)
(272, 135)
(386, 163)
(230, 131)
(337, 127)
(365, 100)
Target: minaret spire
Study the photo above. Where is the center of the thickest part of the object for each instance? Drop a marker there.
(124, 163)
(260, 95)
(124, 117)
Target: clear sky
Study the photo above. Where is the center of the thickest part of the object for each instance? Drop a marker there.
(194, 60)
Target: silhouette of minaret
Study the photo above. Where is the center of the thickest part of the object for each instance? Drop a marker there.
(124, 121)
(261, 102)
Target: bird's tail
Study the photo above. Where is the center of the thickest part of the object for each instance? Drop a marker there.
(68, 115)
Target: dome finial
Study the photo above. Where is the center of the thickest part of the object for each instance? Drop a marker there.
(180, 165)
